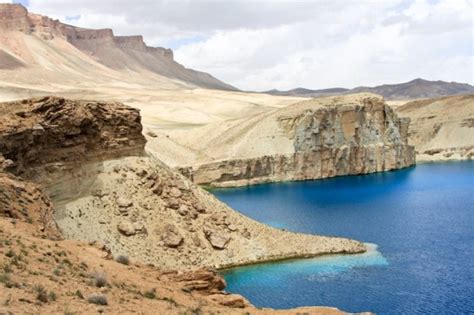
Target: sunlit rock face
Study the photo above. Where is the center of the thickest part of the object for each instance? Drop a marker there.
(342, 137)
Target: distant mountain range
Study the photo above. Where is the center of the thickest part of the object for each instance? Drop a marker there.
(414, 89)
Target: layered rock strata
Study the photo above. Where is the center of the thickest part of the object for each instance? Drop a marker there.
(51, 133)
(314, 139)
(442, 128)
(89, 158)
(128, 53)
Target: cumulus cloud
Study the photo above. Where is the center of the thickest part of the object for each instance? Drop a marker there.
(259, 45)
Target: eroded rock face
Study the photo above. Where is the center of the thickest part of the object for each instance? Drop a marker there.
(51, 132)
(26, 201)
(89, 158)
(328, 141)
(14, 17)
(117, 52)
(441, 128)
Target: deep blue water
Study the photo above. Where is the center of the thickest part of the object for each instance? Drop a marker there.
(422, 220)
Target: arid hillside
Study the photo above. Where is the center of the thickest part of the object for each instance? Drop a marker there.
(125, 54)
(40, 56)
(138, 233)
(319, 138)
(441, 128)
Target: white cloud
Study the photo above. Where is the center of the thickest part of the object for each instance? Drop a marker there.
(260, 45)
(6, 1)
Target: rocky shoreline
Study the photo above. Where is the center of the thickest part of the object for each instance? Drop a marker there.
(315, 139)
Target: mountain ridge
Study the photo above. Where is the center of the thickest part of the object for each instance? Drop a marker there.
(414, 89)
(120, 53)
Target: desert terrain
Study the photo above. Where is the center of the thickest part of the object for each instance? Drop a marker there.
(104, 141)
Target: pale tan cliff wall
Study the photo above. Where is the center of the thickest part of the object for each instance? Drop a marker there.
(441, 128)
(328, 141)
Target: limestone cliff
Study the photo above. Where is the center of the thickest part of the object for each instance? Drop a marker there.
(320, 138)
(442, 128)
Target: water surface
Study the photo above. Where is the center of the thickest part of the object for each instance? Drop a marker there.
(422, 220)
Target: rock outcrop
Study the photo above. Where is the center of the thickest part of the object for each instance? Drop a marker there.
(320, 138)
(50, 133)
(442, 128)
(42, 276)
(23, 200)
(89, 158)
(116, 52)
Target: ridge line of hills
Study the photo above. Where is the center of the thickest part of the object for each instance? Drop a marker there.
(417, 88)
(121, 53)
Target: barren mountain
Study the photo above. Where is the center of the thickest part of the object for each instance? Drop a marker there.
(40, 56)
(122, 53)
(441, 128)
(414, 89)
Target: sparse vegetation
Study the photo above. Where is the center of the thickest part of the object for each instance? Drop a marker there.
(122, 259)
(151, 294)
(79, 294)
(4, 278)
(170, 300)
(41, 294)
(52, 296)
(98, 299)
(100, 280)
(7, 268)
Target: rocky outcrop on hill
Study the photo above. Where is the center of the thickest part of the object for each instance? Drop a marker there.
(52, 133)
(442, 128)
(89, 158)
(116, 52)
(26, 201)
(314, 139)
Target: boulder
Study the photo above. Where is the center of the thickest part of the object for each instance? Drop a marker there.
(171, 237)
(218, 240)
(175, 192)
(123, 202)
(230, 300)
(126, 228)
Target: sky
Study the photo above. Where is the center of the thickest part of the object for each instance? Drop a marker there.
(261, 45)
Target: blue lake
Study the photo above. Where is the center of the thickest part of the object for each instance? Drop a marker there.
(421, 219)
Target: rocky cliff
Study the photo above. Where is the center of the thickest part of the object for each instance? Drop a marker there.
(442, 128)
(115, 52)
(51, 133)
(89, 158)
(320, 138)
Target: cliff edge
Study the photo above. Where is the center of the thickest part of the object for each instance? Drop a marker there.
(319, 138)
(123, 54)
(90, 161)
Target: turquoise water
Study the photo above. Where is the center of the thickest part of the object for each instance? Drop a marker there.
(422, 220)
